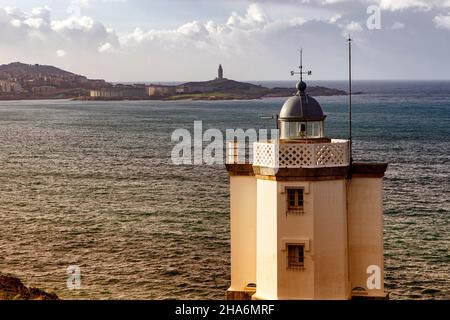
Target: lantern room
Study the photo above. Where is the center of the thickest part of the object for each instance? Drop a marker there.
(301, 117)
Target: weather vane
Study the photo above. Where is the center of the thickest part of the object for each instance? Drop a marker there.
(301, 73)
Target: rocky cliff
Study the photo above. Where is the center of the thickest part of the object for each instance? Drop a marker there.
(13, 289)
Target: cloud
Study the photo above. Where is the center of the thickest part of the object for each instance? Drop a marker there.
(335, 18)
(353, 26)
(38, 26)
(43, 13)
(241, 33)
(14, 13)
(402, 5)
(237, 35)
(193, 29)
(255, 40)
(73, 23)
(89, 3)
(106, 48)
(256, 13)
(395, 5)
(397, 26)
(390, 5)
(61, 53)
(255, 16)
(442, 22)
(81, 3)
(38, 17)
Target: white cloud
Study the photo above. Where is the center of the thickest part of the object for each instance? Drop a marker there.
(255, 16)
(335, 18)
(353, 26)
(256, 13)
(37, 31)
(193, 29)
(35, 23)
(239, 31)
(73, 23)
(392, 5)
(397, 26)
(248, 39)
(81, 3)
(442, 22)
(16, 23)
(61, 53)
(398, 5)
(14, 12)
(43, 13)
(89, 3)
(395, 5)
(106, 48)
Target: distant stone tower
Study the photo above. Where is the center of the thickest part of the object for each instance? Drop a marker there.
(220, 73)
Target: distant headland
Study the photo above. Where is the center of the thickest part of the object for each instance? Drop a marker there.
(19, 81)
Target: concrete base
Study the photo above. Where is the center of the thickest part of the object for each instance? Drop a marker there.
(366, 297)
(239, 295)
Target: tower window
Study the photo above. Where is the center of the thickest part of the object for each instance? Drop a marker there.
(295, 199)
(296, 256)
(303, 130)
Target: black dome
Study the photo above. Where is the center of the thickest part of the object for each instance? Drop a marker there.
(301, 86)
(301, 107)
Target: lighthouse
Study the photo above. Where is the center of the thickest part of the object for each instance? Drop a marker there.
(306, 222)
(220, 72)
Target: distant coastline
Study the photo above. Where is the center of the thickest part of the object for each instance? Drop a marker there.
(211, 96)
(19, 81)
(224, 95)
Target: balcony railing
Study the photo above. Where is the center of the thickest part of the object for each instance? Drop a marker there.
(239, 153)
(292, 155)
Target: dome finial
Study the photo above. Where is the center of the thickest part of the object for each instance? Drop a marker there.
(301, 87)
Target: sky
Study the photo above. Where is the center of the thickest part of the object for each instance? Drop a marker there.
(184, 40)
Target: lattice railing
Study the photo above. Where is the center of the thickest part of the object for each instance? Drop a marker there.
(239, 153)
(265, 153)
(298, 155)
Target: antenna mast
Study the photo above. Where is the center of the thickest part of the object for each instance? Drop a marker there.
(350, 97)
(301, 65)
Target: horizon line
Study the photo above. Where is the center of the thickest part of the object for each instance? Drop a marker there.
(280, 80)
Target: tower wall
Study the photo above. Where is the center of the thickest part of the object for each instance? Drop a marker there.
(295, 229)
(330, 248)
(365, 221)
(321, 229)
(243, 232)
(266, 240)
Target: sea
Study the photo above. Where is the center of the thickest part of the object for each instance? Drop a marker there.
(92, 184)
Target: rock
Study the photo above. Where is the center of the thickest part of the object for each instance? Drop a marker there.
(13, 289)
(430, 291)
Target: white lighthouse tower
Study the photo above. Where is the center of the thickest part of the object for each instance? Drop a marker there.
(306, 223)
